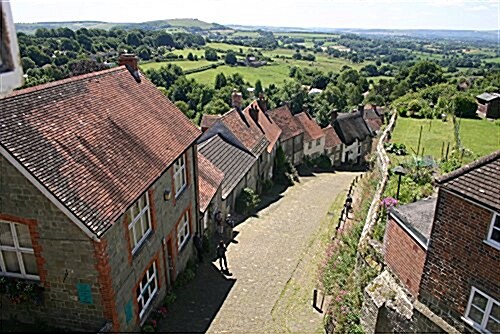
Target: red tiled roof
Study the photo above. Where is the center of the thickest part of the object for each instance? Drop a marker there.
(95, 141)
(210, 179)
(312, 130)
(479, 181)
(331, 137)
(289, 125)
(245, 129)
(208, 120)
(266, 125)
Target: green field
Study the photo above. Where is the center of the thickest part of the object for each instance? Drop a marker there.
(226, 47)
(184, 64)
(480, 136)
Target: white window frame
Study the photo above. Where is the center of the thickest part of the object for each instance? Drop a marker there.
(152, 292)
(19, 253)
(486, 314)
(488, 240)
(180, 172)
(181, 230)
(137, 222)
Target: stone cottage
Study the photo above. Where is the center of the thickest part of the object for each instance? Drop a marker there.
(210, 193)
(98, 198)
(314, 138)
(292, 135)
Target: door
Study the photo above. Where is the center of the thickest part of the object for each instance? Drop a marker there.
(170, 263)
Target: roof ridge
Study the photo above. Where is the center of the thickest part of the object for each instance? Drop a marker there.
(63, 81)
(467, 168)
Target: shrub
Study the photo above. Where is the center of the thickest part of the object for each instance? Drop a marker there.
(322, 161)
(247, 201)
(169, 299)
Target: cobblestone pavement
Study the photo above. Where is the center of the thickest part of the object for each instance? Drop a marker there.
(268, 262)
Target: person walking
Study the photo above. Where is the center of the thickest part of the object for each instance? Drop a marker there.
(221, 255)
(198, 244)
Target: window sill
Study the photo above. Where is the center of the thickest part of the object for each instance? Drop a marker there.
(141, 244)
(492, 244)
(183, 247)
(145, 316)
(472, 324)
(179, 194)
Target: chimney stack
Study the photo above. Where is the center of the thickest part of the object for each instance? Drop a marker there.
(236, 100)
(254, 113)
(335, 114)
(130, 62)
(361, 109)
(262, 102)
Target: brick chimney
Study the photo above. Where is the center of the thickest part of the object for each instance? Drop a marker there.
(236, 99)
(254, 113)
(130, 62)
(128, 59)
(262, 102)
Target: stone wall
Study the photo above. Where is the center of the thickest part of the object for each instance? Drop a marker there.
(65, 258)
(458, 258)
(128, 269)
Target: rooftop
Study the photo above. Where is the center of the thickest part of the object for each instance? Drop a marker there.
(488, 96)
(210, 179)
(478, 181)
(265, 124)
(312, 130)
(417, 217)
(331, 137)
(289, 125)
(95, 141)
(351, 127)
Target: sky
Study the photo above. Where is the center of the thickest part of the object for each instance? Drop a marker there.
(369, 14)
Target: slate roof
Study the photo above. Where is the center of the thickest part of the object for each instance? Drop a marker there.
(264, 123)
(331, 137)
(478, 181)
(417, 217)
(288, 124)
(96, 141)
(312, 130)
(245, 129)
(229, 159)
(210, 179)
(488, 97)
(351, 126)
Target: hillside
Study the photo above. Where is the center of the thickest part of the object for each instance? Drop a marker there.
(187, 24)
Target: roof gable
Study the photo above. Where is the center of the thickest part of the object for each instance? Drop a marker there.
(96, 141)
(289, 125)
(264, 123)
(331, 137)
(312, 130)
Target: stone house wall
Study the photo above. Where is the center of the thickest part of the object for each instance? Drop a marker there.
(316, 149)
(66, 258)
(458, 258)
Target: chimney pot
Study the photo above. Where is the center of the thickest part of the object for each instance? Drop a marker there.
(236, 99)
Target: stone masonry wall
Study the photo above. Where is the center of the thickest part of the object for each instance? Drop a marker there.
(403, 255)
(457, 258)
(65, 258)
(128, 269)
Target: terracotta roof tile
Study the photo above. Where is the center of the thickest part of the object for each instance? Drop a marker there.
(210, 179)
(208, 120)
(331, 137)
(479, 181)
(289, 125)
(264, 123)
(95, 141)
(312, 130)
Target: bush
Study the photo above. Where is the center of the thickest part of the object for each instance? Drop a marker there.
(169, 299)
(395, 148)
(323, 162)
(282, 168)
(247, 201)
(186, 276)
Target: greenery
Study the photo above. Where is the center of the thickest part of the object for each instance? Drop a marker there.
(186, 276)
(247, 201)
(20, 291)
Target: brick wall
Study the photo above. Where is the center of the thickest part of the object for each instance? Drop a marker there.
(457, 258)
(65, 257)
(127, 269)
(403, 255)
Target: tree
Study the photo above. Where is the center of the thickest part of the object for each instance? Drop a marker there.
(85, 66)
(230, 58)
(369, 70)
(133, 39)
(320, 81)
(210, 54)
(258, 88)
(144, 53)
(190, 56)
(69, 44)
(184, 107)
(353, 94)
(220, 81)
(27, 63)
(424, 74)
(297, 56)
(215, 107)
(37, 56)
(85, 41)
(464, 105)
(375, 99)
(164, 39)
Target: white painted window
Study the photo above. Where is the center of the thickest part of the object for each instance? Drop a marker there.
(310, 145)
(318, 142)
(183, 231)
(483, 311)
(140, 222)
(17, 257)
(494, 232)
(180, 179)
(147, 289)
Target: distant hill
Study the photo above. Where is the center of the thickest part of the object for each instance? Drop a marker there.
(186, 24)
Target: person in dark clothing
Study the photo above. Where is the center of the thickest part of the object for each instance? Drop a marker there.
(221, 255)
(198, 244)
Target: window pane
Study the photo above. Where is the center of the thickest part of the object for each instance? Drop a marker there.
(11, 262)
(495, 235)
(479, 301)
(495, 311)
(30, 264)
(6, 235)
(23, 236)
(497, 221)
(493, 326)
(137, 231)
(476, 315)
